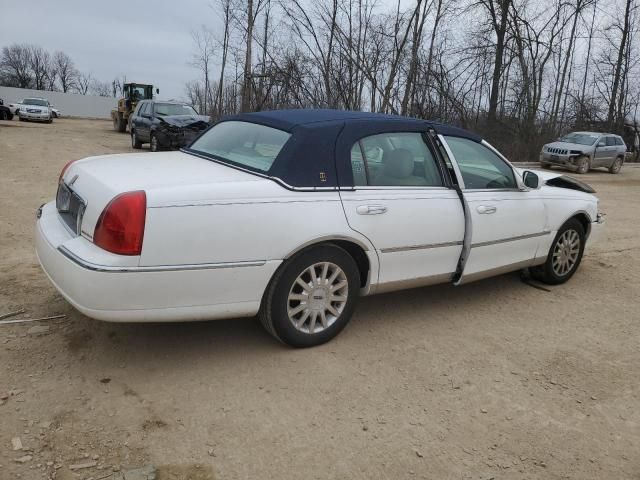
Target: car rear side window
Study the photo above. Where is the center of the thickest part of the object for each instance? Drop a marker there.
(480, 167)
(394, 160)
(243, 144)
(611, 141)
(619, 141)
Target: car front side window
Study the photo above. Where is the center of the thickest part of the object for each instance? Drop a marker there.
(480, 167)
(399, 159)
(611, 141)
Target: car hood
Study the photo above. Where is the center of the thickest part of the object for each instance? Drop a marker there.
(39, 108)
(569, 146)
(185, 120)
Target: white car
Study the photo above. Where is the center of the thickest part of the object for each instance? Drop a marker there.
(55, 112)
(34, 109)
(292, 215)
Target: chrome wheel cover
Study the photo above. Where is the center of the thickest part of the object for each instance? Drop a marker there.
(565, 253)
(317, 297)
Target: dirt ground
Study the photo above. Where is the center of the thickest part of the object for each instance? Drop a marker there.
(491, 380)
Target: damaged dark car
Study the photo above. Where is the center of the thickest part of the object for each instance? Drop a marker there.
(165, 125)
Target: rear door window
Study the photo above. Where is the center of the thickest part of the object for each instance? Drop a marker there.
(394, 160)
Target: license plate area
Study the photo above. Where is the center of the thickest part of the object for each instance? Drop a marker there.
(70, 207)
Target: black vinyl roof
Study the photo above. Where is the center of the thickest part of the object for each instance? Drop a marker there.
(289, 119)
(318, 153)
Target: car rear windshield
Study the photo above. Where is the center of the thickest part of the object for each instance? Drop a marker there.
(164, 109)
(579, 138)
(34, 101)
(243, 144)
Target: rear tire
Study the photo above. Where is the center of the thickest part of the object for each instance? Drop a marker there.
(311, 298)
(583, 165)
(564, 255)
(616, 166)
(3, 115)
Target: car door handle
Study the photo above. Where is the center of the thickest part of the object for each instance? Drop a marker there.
(371, 209)
(486, 209)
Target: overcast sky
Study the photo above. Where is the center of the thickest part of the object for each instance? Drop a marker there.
(148, 41)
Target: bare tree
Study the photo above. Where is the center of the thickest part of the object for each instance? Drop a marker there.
(15, 66)
(102, 89)
(40, 64)
(202, 58)
(225, 6)
(624, 34)
(83, 83)
(65, 69)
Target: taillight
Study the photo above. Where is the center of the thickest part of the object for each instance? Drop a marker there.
(120, 228)
(65, 168)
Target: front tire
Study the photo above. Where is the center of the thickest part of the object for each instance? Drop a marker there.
(119, 124)
(154, 144)
(312, 297)
(616, 166)
(582, 165)
(564, 255)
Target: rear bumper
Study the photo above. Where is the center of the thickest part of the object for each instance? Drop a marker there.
(146, 294)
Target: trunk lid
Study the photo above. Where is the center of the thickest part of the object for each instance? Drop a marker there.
(168, 178)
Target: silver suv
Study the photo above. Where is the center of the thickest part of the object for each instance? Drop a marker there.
(581, 151)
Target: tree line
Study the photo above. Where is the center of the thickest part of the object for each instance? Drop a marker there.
(31, 66)
(520, 72)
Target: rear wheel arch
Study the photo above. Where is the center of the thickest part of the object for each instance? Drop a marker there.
(356, 249)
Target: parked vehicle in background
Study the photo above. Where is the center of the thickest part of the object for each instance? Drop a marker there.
(36, 109)
(132, 93)
(294, 214)
(55, 112)
(582, 151)
(165, 125)
(5, 112)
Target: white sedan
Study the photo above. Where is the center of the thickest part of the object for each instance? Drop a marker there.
(293, 215)
(33, 109)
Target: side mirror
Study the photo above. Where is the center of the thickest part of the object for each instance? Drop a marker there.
(157, 91)
(531, 180)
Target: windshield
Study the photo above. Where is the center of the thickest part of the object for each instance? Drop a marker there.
(242, 143)
(163, 109)
(34, 101)
(141, 92)
(579, 138)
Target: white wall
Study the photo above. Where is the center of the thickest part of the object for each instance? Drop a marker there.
(69, 104)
